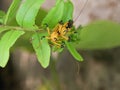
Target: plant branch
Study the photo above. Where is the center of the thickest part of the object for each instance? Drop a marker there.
(22, 29)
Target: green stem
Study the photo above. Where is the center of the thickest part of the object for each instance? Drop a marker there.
(22, 29)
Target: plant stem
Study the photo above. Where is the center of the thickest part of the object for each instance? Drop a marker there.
(22, 29)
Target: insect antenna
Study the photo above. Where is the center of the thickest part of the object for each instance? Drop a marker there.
(81, 11)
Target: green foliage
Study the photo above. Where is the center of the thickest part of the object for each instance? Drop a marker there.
(61, 11)
(73, 51)
(2, 15)
(27, 17)
(10, 16)
(40, 16)
(100, 35)
(68, 11)
(27, 12)
(6, 42)
(42, 48)
(54, 15)
(24, 43)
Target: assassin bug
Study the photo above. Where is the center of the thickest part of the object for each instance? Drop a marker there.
(61, 32)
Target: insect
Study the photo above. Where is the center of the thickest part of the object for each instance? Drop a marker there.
(61, 32)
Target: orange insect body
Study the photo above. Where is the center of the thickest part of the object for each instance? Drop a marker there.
(60, 32)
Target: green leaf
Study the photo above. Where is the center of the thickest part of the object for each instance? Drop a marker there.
(41, 48)
(10, 17)
(55, 14)
(58, 1)
(6, 42)
(40, 16)
(73, 51)
(24, 43)
(27, 12)
(2, 15)
(68, 11)
(100, 35)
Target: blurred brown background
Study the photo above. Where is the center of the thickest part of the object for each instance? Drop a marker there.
(99, 71)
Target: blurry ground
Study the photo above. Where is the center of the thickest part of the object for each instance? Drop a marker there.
(99, 71)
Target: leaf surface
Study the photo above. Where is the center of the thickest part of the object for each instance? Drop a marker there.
(27, 13)
(41, 48)
(54, 15)
(11, 13)
(6, 42)
(100, 35)
(2, 15)
(73, 51)
(68, 11)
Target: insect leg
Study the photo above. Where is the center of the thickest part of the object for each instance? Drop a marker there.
(47, 28)
(57, 44)
(64, 37)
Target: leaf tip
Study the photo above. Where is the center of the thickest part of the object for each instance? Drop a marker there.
(45, 66)
(2, 65)
(80, 59)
